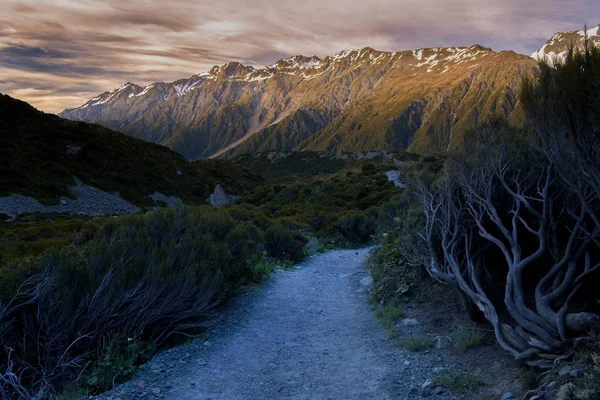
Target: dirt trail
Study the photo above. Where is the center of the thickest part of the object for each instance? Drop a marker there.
(307, 333)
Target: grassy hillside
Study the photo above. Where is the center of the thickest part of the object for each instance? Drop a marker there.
(36, 161)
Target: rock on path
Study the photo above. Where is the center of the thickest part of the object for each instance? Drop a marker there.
(307, 333)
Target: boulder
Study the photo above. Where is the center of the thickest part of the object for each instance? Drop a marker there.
(312, 247)
(73, 150)
(565, 370)
(366, 282)
(442, 342)
(220, 199)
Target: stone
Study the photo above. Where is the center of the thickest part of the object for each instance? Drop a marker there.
(575, 373)
(426, 393)
(63, 202)
(507, 396)
(442, 342)
(565, 370)
(220, 199)
(155, 390)
(427, 384)
(73, 150)
(312, 247)
(366, 282)
(439, 390)
(394, 176)
(410, 322)
(179, 173)
(438, 370)
(141, 384)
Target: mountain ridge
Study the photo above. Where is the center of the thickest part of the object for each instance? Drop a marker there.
(559, 44)
(356, 100)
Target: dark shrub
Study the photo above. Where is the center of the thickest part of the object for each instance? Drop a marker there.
(284, 244)
(147, 278)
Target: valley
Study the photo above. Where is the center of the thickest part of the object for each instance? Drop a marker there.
(411, 224)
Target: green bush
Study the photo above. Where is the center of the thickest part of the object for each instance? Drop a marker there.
(155, 278)
(344, 208)
(283, 243)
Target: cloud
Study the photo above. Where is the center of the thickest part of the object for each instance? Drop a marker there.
(58, 53)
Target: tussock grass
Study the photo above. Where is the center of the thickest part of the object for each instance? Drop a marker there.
(389, 315)
(467, 338)
(416, 342)
(461, 382)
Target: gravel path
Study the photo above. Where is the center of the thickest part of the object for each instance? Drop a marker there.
(306, 333)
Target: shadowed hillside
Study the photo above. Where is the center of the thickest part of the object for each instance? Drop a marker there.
(41, 153)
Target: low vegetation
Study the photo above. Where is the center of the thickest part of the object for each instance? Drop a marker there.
(467, 338)
(347, 208)
(416, 342)
(24, 244)
(120, 288)
(389, 315)
(586, 386)
(90, 312)
(459, 382)
(512, 221)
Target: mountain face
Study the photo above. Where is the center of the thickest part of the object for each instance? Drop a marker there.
(557, 47)
(357, 100)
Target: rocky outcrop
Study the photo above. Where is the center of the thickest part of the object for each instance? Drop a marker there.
(220, 199)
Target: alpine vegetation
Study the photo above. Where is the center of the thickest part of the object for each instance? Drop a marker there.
(514, 221)
(144, 281)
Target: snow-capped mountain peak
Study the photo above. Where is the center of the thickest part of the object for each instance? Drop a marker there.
(559, 44)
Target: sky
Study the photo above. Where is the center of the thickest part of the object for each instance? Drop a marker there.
(57, 54)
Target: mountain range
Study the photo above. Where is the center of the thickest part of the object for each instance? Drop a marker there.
(357, 100)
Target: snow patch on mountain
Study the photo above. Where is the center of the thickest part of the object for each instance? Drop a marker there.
(302, 67)
(557, 47)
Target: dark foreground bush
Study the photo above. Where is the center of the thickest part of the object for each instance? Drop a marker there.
(143, 281)
(514, 221)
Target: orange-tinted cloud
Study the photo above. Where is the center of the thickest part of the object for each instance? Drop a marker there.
(58, 54)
